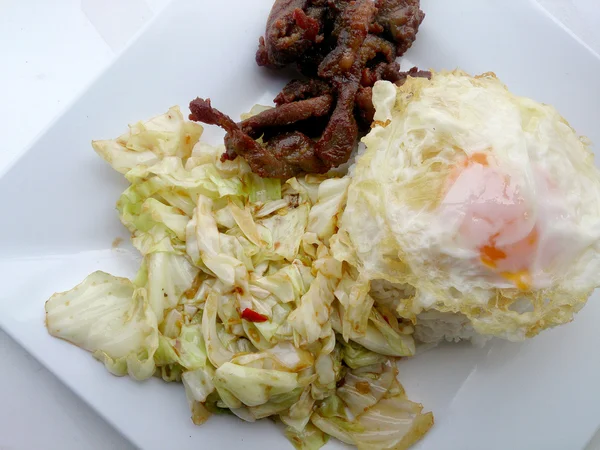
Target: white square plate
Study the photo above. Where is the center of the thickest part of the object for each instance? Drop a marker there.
(59, 223)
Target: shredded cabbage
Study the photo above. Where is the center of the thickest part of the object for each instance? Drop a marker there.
(239, 297)
(111, 318)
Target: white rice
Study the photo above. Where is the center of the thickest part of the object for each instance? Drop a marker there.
(432, 326)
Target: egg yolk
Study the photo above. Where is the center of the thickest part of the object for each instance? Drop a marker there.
(496, 219)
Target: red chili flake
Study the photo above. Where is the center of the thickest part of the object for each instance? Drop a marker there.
(252, 316)
(386, 319)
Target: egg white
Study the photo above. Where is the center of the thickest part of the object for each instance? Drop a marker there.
(403, 220)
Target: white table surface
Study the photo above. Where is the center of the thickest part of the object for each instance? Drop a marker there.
(50, 51)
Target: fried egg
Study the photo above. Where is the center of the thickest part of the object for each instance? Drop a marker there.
(486, 204)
